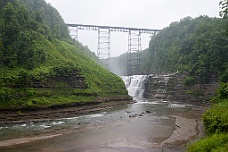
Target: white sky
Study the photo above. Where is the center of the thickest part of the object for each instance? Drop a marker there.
(153, 14)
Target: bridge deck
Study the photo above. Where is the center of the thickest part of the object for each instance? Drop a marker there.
(113, 28)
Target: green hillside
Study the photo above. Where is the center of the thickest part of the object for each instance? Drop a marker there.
(41, 66)
(196, 47)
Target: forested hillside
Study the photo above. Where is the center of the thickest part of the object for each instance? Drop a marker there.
(196, 47)
(40, 65)
(215, 119)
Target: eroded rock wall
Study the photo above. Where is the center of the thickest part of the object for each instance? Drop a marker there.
(171, 87)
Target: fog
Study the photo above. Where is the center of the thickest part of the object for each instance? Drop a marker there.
(153, 14)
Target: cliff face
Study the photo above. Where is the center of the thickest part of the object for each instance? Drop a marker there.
(171, 87)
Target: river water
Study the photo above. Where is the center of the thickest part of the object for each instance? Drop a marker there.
(143, 126)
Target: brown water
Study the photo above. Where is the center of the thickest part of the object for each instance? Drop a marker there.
(140, 127)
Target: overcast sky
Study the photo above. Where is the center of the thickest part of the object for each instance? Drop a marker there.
(153, 14)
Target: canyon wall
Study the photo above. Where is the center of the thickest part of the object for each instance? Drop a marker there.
(171, 87)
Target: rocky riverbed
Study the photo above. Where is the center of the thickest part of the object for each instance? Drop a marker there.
(143, 126)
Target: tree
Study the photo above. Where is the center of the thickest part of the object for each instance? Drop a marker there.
(197, 47)
(38, 18)
(224, 11)
(10, 29)
(22, 15)
(10, 24)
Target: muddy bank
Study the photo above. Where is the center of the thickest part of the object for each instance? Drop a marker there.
(185, 130)
(18, 141)
(188, 127)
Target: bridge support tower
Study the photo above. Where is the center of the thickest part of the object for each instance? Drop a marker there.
(134, 55)
(104, 46)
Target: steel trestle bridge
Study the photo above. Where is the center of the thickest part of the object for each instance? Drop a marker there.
(134, 57)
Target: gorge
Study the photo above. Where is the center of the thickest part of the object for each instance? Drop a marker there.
(55, 95)
(147, 125)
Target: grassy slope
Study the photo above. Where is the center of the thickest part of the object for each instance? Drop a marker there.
(215, 122)
(99, 83)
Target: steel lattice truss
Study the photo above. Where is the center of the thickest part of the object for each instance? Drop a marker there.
(104, 48)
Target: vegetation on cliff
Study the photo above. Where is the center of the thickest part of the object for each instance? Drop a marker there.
(215, 119)
(215, 122)
(196, 47)
(40, 65)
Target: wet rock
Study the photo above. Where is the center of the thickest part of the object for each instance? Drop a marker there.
(177, 126)
(140, 115)
(128, 111)
(134, 115)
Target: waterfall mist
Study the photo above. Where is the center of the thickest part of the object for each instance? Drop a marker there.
(135, 85)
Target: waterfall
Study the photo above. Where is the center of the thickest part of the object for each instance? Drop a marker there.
(135, 85)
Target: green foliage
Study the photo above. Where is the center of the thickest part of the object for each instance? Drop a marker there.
(197, 47)
(64, 62)
(38, 65)
(86, 51)
(214, 143)
(19, 36)
(215, 122)
(224, 11)
(23, 79)
(224, 76)
(5, 94)
(216, 119)
(221, 93)
(189, 81)
(224, 8)
(46, 14)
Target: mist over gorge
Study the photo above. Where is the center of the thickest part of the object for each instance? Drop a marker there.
(57, 95)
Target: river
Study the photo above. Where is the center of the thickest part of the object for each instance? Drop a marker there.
(146, 126)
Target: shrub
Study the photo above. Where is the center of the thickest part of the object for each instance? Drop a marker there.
(224, 77)
(215, 143)
(216, 119)
(189, 81)
(221, 94)
(5, 95)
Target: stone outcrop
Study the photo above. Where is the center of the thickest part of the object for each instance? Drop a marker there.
(171, 87)
(66, 81)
